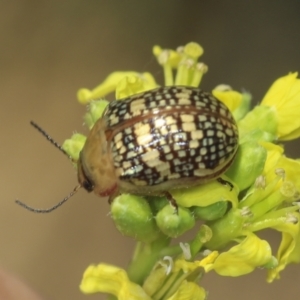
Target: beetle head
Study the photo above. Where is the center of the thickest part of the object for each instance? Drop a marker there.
(96, 171)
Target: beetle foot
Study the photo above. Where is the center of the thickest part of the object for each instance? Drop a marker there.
(225, 182)
(172, 201)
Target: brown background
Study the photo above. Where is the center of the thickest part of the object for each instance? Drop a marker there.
(49, 49)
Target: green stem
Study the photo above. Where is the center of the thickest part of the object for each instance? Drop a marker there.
(145, 257)
(171, 251)
(168, 75)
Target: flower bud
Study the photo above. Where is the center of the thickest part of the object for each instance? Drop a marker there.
(244, 107)
(157, 203)
(225, 229)
(261, 117)
(133, 217)
(74, 145)
(271, 264)
(258, 135)
(211, 212)
(96, 109)
(248, 164)
(172, 223)
(193, 50)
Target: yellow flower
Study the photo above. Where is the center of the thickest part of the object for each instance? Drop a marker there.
(278, 113)
(189, 72)
(265, 184)
(190, 266)
(284, 98)
(289, 249)
(291, 168)
(243, 258)
(124, 83)
(169, 60)
(274, 153)
(134, 84)
(176, 279)
(232, 99)
(281, 182)
(112, 280)
(189, 290)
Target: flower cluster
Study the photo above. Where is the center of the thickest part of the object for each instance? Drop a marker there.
(265, 191)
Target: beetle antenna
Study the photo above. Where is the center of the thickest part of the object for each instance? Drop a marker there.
(51, 140)
(47, 210)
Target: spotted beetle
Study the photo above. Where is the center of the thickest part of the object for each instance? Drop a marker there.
(166, 138)
(147, 144)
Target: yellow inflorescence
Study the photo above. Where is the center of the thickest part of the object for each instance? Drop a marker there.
(265, 191)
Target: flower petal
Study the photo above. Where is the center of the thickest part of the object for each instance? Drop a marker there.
(232, 99)
(243, 258)
(132, 84)
(289, 249)
(202, 195)
(138, 82)
(189, 290)
(284, 97)
(112, 280)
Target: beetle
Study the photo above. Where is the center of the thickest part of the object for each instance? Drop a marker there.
(152, 142)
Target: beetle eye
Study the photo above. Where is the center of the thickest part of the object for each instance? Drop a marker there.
(87, 185)
(83, 179)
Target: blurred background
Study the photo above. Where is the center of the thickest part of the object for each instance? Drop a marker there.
(50, 49)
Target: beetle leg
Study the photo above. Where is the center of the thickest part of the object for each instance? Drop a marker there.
(225, 182)
(172, 201)
(110, 200)
(112, 196)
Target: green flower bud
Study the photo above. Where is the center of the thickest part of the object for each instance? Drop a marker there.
(244, 107)
(266, 205)
(74, 145)
(211, 212)
(133, 217)
(225, 229)
(96, 109)
(193, 50)
(271, 264)
(258, 135)
(174, 224)
(248, 164)
(157, 203)
(261, 117)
